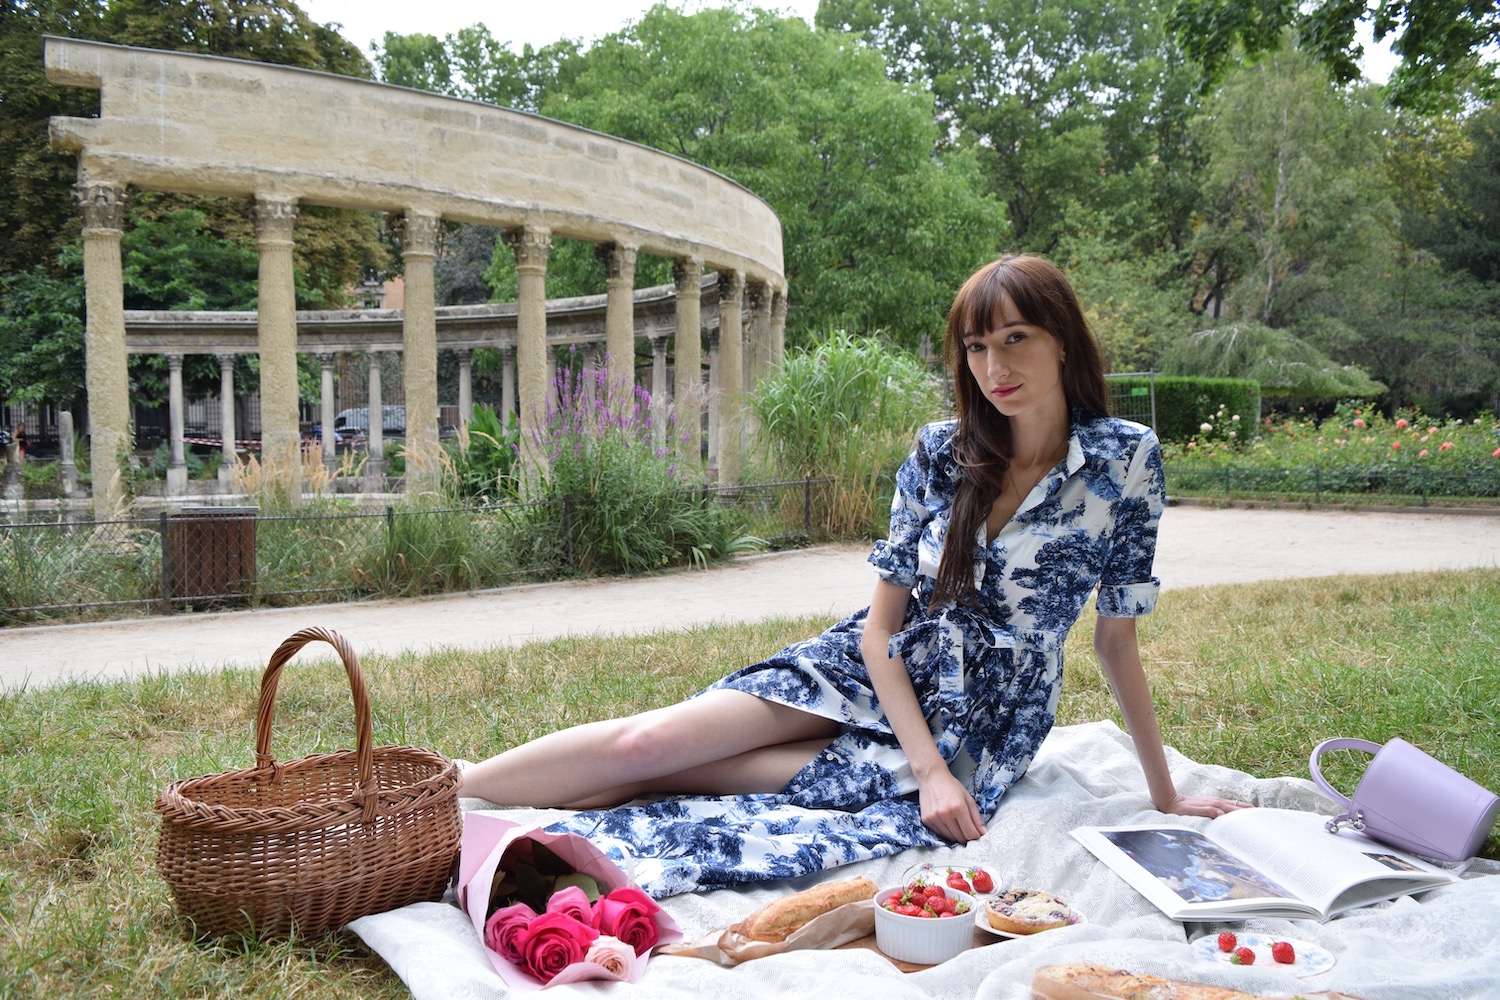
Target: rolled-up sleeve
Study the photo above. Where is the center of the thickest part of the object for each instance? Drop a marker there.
(897, 557)
(1127, 588)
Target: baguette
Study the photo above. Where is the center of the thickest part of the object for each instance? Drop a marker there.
(777, 920)
(1086, 981)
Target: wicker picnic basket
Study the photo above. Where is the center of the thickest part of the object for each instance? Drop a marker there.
(308, 845)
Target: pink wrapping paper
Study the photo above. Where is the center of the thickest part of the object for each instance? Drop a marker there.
(485, 839)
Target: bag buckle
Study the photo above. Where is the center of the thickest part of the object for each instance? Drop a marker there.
(1355, 821)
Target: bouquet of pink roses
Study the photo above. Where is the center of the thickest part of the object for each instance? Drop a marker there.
(552, 908)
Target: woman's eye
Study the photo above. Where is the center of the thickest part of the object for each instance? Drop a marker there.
(974, 346)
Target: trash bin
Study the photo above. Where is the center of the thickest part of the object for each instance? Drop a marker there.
(208, 553)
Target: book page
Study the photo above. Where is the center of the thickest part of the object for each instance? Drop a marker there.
(1319, 866)
(1189, 876)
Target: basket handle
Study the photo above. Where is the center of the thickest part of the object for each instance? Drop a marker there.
(363, 730)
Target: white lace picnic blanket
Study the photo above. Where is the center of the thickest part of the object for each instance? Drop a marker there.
(1438, 945)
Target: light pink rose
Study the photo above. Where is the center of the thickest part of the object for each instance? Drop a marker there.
(613, 955)
(553, 942)
(628, 914)
(504, 927)
(574, 902)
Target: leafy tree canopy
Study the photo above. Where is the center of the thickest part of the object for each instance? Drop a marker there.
(1447, 47)
(1282, 363)
(878, 230)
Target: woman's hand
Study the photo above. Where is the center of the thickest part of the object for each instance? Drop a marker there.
(1201, 805)
(948, 809)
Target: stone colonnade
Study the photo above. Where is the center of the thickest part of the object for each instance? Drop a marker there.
(283, 138)
(673, 313)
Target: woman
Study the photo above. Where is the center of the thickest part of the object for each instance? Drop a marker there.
(1005, 520)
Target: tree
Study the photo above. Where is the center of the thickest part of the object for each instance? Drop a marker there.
(1443, 44)
(1302, 202)
(1463, 225)
(1073, 109)
(878, 229)
(1278, 360)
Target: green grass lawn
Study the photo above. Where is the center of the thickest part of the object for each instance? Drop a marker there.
(1248, 676)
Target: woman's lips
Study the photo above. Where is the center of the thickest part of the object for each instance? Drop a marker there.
(1002, 391)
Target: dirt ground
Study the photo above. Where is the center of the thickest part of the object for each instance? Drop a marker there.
(1198, 546)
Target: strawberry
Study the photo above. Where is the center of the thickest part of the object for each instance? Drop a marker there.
(957, 881)
(1242, 956)
(1283, 952)
(982, 880)
(1227, 941)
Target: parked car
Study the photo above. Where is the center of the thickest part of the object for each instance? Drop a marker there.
(357, 421)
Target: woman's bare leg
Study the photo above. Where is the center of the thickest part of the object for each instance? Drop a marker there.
(609, 761)
(765, 770)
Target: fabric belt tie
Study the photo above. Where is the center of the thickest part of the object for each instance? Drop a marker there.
(950, 629)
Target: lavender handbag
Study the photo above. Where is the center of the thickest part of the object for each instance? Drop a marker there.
(1411, 801)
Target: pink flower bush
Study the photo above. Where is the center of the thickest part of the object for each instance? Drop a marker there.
(1359, 422)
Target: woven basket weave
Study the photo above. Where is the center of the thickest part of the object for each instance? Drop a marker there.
(308, 845)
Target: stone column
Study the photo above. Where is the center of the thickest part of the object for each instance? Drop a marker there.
(687, 395)
(67, 466)
(106, 374)
(465, 388)
(715, 430)
(778, 329)
(507, 384)
(419, 232)
(531, 245)
(177, 468)
(659, 390)
(619, 311)
(228, 457)
(280, 437)
(375, 430)
(326, 413)
(758, 362)
(730, 398)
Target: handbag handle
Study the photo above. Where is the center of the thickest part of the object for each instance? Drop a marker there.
(364, 754)
(1352, 815)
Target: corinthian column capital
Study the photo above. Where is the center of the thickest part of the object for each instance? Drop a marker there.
(275, 218)
(687, 272)
(618, 259)
(531, 245)
(101, 203)
(731, 286)
(418, 232)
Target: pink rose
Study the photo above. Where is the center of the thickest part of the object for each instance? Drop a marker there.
(628, 914)
(574, 902)
(553, 942)
(1359, 422)
(613, 955)
(1402, 424)
(504, 928)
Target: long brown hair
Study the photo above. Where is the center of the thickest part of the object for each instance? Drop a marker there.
(982, 445)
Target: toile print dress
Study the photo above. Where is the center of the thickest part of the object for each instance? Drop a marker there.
(987, 676)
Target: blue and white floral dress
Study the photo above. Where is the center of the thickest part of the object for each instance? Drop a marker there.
(987, 676)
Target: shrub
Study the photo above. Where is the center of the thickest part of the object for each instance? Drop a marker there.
(848, 408)
(613, 500)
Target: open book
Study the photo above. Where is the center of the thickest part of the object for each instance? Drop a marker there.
(1259, 862)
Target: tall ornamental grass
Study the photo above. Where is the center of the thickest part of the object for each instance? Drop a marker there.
(847, 408)
(613, 499)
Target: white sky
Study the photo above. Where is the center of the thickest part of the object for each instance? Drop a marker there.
(542, 21)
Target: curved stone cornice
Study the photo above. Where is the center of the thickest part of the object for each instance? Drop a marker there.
(177, 121)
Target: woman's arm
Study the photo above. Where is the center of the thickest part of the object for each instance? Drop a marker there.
(947, 807)
(1119, 653)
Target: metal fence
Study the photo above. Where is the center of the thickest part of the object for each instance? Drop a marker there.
(1415, 485)
(236, 556)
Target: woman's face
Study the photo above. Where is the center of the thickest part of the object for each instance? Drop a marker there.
(1018, 366)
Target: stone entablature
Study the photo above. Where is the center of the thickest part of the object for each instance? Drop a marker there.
(196, 124)
(577, 320)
